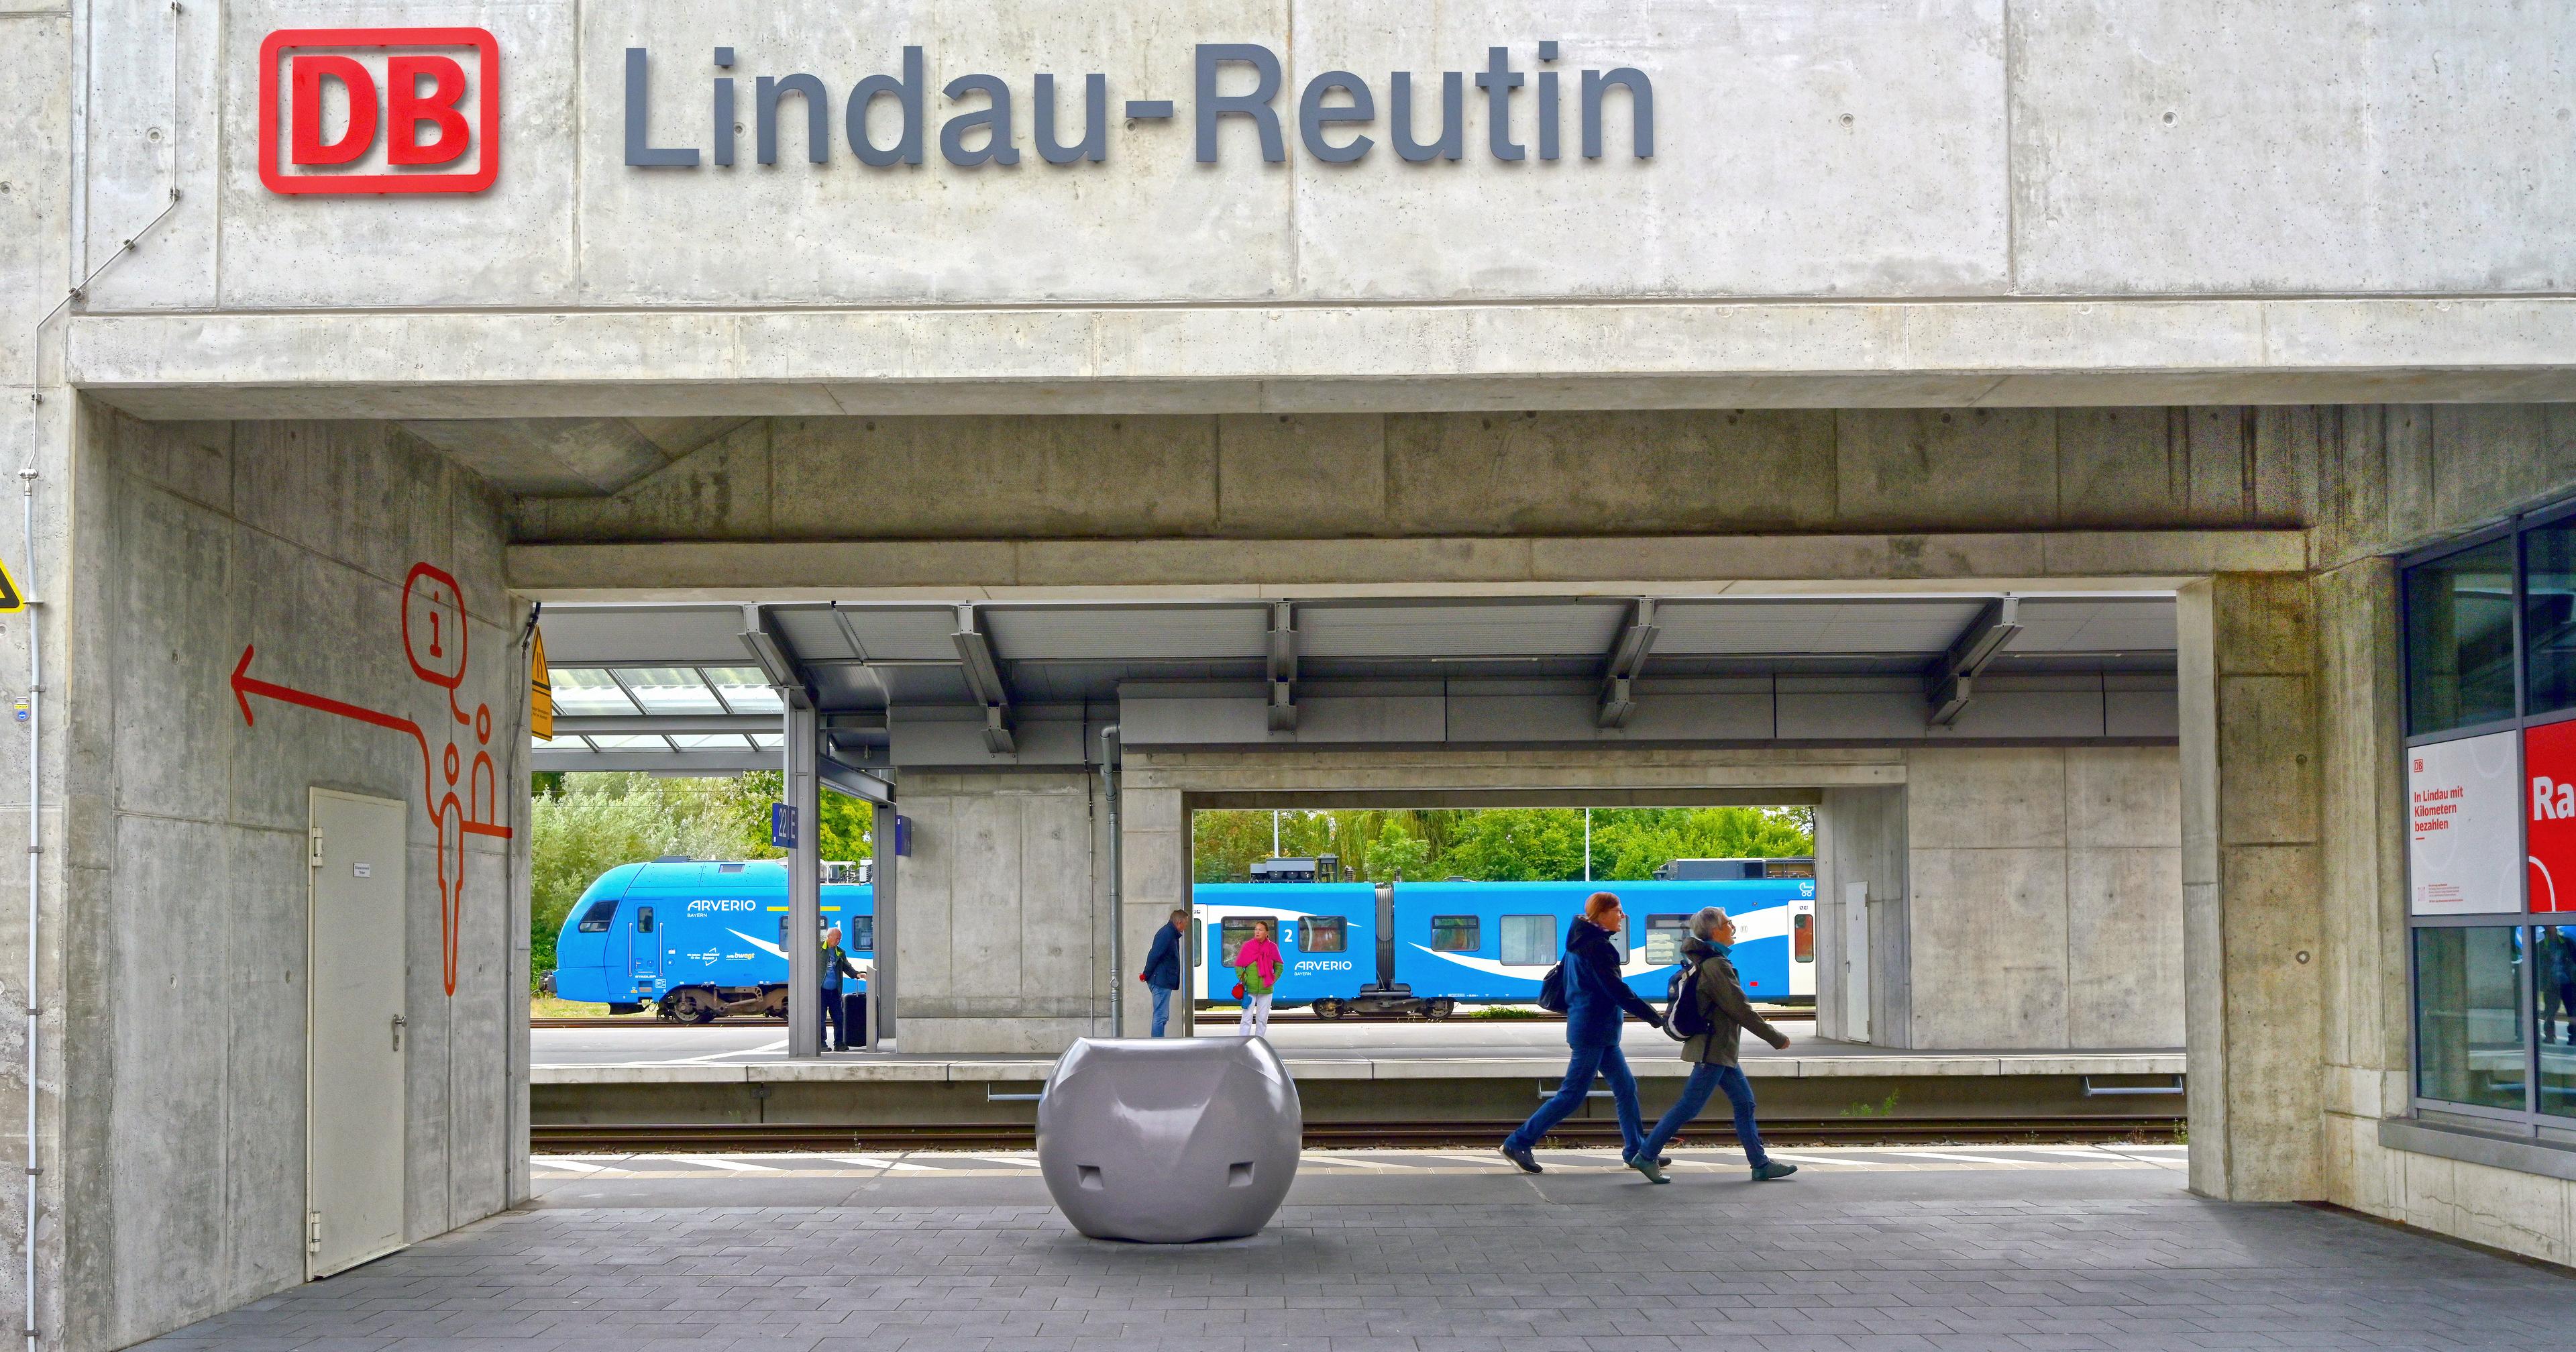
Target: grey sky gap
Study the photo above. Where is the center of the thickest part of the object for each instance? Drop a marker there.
(1330, 102)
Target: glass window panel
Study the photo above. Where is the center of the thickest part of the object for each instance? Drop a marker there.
(859, 934)
(595, 919)
(745, 690)
(699, 741)
(2553, 989)
(1529, 940)
(1664, 935)
(628, 742)
(1324, 934)
(2549, 617)
(2459, 639)
(1456, 934)
(669, 690)
(1802, 937)
(2468, 1015)
(769, 741)
(587, 691)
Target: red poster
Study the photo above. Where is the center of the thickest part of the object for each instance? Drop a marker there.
(2549, 801)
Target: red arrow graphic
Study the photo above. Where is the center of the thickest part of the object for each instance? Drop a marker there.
(246, 685)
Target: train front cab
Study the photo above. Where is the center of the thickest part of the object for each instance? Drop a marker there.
(595, 950)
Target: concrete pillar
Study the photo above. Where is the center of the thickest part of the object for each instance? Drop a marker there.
(1001, 899)
(1860, 858)
(2251, 896)
(2362, 964)
(1155, 862)
(884, 975)
(804, 884)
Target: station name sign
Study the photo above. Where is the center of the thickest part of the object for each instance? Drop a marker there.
(884, 119)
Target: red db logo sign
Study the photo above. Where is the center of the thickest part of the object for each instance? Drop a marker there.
(378, 110)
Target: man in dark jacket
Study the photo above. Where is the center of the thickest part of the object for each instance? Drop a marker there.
(1711, 984)
(834, 964)
(1162, 972)
(1595, 993)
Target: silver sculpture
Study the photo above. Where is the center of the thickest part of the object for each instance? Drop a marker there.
(1169, 1140)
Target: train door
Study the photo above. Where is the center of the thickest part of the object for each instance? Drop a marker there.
(1802, 946)
(644, 950)
(354, 1000)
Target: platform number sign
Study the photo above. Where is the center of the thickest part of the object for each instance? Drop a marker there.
(11, 600)
(782, 825)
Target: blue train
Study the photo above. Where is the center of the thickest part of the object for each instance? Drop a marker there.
(1426, 948)
(699, 938)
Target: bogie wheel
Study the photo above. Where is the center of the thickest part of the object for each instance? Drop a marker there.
(1331, 1009)
(1441, 1009)
(690, 1006)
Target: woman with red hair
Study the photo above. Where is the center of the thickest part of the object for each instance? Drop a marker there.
(1595, 993)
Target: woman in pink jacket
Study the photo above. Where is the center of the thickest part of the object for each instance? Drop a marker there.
(1256, 965)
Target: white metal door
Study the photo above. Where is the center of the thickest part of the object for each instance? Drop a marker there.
(354, 1033)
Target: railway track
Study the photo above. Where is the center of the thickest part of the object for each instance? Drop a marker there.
(566, 1138)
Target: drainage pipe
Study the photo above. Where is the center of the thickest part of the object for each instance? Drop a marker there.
(1117, 922)
(35, 877)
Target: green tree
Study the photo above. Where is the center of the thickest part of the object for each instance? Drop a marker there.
(1398, 853)
(1517, 844)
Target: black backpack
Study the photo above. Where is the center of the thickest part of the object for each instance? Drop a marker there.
(1684, 1016)
(1551, 989)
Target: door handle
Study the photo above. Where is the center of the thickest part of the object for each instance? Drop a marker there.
(399, 1021)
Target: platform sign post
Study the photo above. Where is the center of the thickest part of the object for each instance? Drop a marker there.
(2464, 826)
(804, 883)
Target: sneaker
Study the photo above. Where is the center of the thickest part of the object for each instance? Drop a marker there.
(1661, 1161)
(1649, 1168)
(1764, 1173)
(1527, 1161)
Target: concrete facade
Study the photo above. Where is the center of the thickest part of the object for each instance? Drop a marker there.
(177, 1098)
(1958, 295)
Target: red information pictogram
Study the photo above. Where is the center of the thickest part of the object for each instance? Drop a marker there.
(462, 796)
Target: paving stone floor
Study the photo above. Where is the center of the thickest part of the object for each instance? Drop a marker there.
(1946, 1255)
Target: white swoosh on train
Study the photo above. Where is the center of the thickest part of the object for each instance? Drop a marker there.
(763, 945)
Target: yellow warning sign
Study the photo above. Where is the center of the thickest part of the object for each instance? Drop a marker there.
(11, 602)
(541, 689)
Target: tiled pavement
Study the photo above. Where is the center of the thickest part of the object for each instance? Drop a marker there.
(1973, 1249)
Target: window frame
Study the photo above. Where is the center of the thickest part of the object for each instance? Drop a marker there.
(1550, 950)
(1341, 926)
(1475, 927)
(2528, 1122)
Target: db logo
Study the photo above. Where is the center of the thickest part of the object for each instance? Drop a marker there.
(378, 110)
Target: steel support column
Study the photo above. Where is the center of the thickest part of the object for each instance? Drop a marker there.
(882, 975)
(804, 884)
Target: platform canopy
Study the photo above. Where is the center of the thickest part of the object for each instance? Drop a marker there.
(702, 688)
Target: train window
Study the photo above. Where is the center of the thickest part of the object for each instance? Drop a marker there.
(1802, 936)
(862, 932)
(1529, 940)
(1324, 934)
(596, 920)
(643, 920)
(1664, 935)
(1456, 934)
(1231, 934)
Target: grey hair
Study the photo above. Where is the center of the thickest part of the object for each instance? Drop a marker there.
(1706, 922)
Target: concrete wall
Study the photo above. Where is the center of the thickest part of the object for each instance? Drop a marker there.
(1004, 912)
(181, 1160)
(1860, 839)
(2043, 903)
(1712, 471)
(1953, 148)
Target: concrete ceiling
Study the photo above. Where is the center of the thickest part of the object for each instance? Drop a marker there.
(567, 457)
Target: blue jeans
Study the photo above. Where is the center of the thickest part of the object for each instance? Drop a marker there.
(829, 1014)
(1609, 1063)
(1703, 1079)
(1162, 1008)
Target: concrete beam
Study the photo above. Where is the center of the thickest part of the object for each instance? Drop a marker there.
(1329, 358)
(957, 571)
